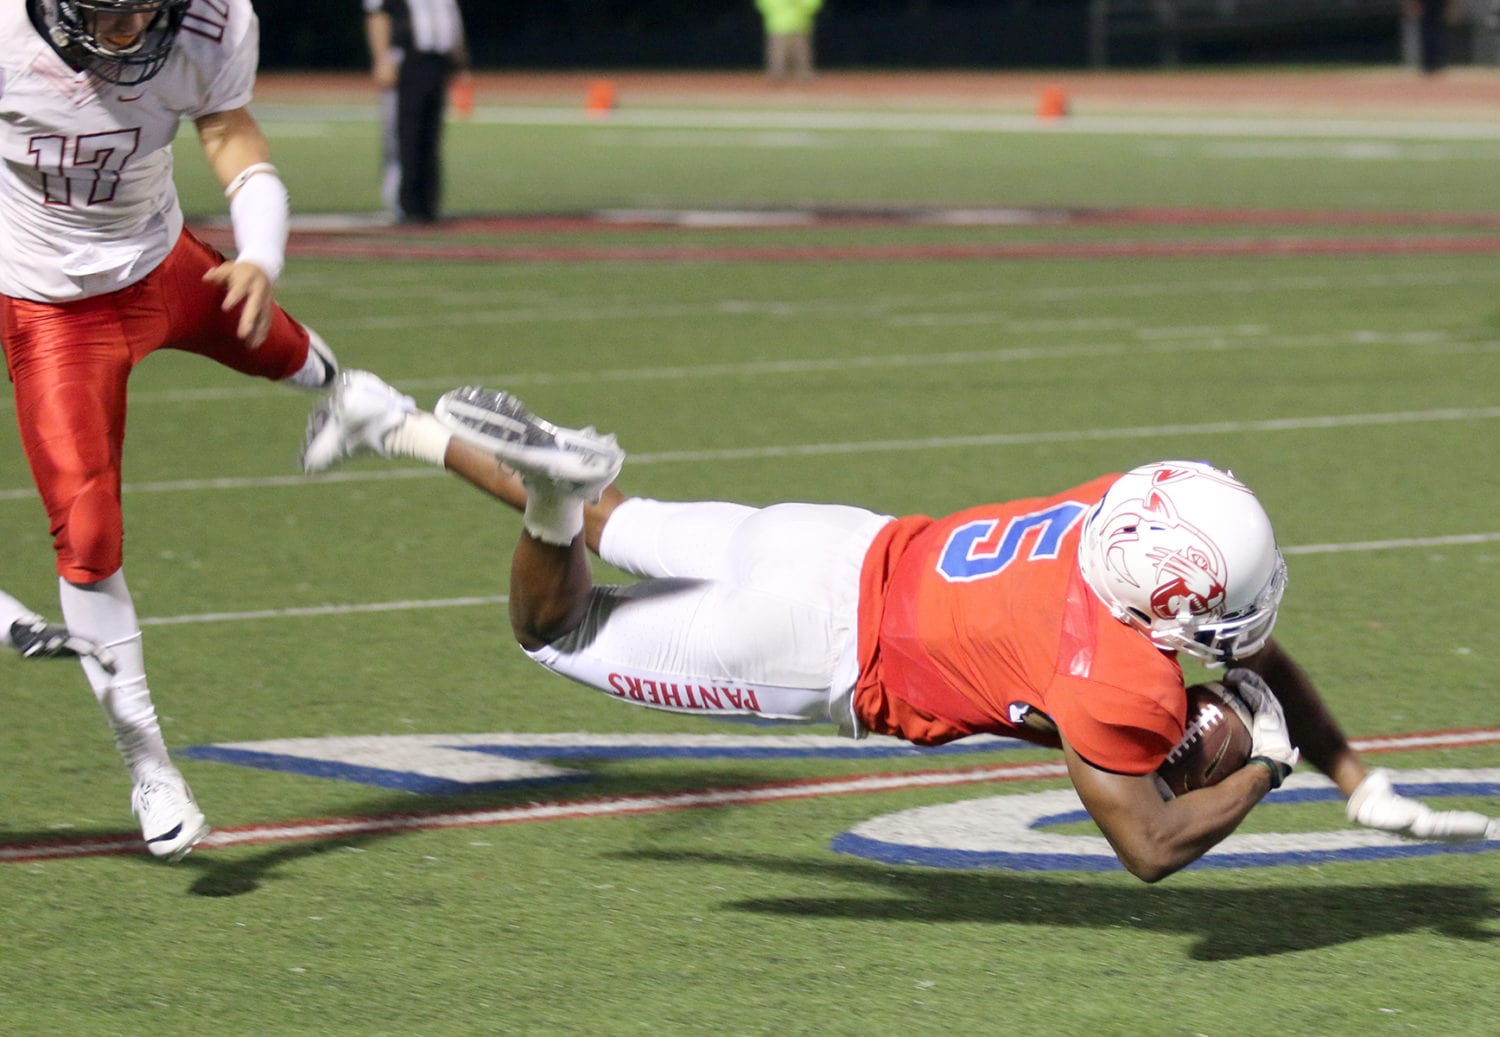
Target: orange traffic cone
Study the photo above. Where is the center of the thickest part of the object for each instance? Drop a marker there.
(1053, 103)
(600, 100)
(461, 96)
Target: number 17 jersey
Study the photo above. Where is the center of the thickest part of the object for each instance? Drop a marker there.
(87, 201)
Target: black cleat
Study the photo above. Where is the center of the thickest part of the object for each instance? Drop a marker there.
(35, 638)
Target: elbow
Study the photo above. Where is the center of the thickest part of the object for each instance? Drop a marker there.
(531, 634)
(1151, 852)
(1148, 871)
(535, 628)
(1151, 862)
(1149, 874)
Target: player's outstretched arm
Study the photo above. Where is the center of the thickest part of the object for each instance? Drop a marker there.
(1312, 725)
(1154, 838)
(1373, 801)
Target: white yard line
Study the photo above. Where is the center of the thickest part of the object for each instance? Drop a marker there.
(397, 282)
(752, 453)
(1133, 341)
(490, 601)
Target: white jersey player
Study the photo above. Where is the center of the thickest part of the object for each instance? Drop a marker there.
(97, 271)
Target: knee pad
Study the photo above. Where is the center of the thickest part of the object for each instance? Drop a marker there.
(90, 538)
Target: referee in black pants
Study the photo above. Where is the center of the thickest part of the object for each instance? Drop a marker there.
(416, 46)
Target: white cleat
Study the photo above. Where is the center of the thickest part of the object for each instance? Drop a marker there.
(580, 462)
(171, 822)
(354, 419)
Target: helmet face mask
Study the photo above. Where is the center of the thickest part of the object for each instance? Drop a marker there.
(83, 30)
(1184, 553)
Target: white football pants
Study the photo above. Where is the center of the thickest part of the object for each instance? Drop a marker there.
(740, 611)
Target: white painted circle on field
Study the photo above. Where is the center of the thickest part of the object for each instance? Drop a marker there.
(1009, 832)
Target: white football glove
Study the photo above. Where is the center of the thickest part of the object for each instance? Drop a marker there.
(1269, 739)
(1376, 804)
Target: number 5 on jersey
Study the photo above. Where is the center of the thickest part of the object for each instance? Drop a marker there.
(975, 552)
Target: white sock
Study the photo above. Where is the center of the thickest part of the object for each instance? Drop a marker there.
(320, 367)
(104, 613)
(552, 516)
(419, 436)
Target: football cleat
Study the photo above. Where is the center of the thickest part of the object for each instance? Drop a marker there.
(171, 822)
(352, 420)
(35, 638)
(580, 462)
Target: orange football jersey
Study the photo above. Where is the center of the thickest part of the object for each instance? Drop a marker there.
(969, 623)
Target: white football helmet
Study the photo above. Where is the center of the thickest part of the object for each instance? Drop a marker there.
(1184, 553)
(73, 27)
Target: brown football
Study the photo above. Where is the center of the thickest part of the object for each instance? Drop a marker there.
(1215, 743)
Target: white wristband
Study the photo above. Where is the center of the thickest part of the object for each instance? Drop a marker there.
(245, 174)
(259, 211)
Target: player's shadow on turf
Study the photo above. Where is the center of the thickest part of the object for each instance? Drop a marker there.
(220, 876)
(1229, 924)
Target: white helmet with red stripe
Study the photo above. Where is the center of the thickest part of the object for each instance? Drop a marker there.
(1184, 553)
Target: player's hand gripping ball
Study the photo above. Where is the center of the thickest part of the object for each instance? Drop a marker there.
(1215, 743)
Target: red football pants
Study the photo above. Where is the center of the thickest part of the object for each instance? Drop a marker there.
(70, 362)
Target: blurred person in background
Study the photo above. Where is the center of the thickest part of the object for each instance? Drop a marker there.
(789, 43)
(417, 51)
(1427, 33)
(97, 271)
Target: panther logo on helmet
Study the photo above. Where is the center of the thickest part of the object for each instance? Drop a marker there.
(1188, 566)
(124, 42)
(1184, 553)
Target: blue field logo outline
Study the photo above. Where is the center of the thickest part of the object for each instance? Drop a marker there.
(450, 765)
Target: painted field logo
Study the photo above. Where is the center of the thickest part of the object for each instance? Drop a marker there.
(998, 832)
(1009, 832)
(449, 765)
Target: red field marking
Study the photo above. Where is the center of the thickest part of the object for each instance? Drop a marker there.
(396, 246)
(452, 240)
(1384, 91)
(740, 795)
(973, 216)
(1291, 217)
(772, 218)
(327, 249)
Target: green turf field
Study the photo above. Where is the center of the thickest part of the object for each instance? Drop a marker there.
(1356, 390)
